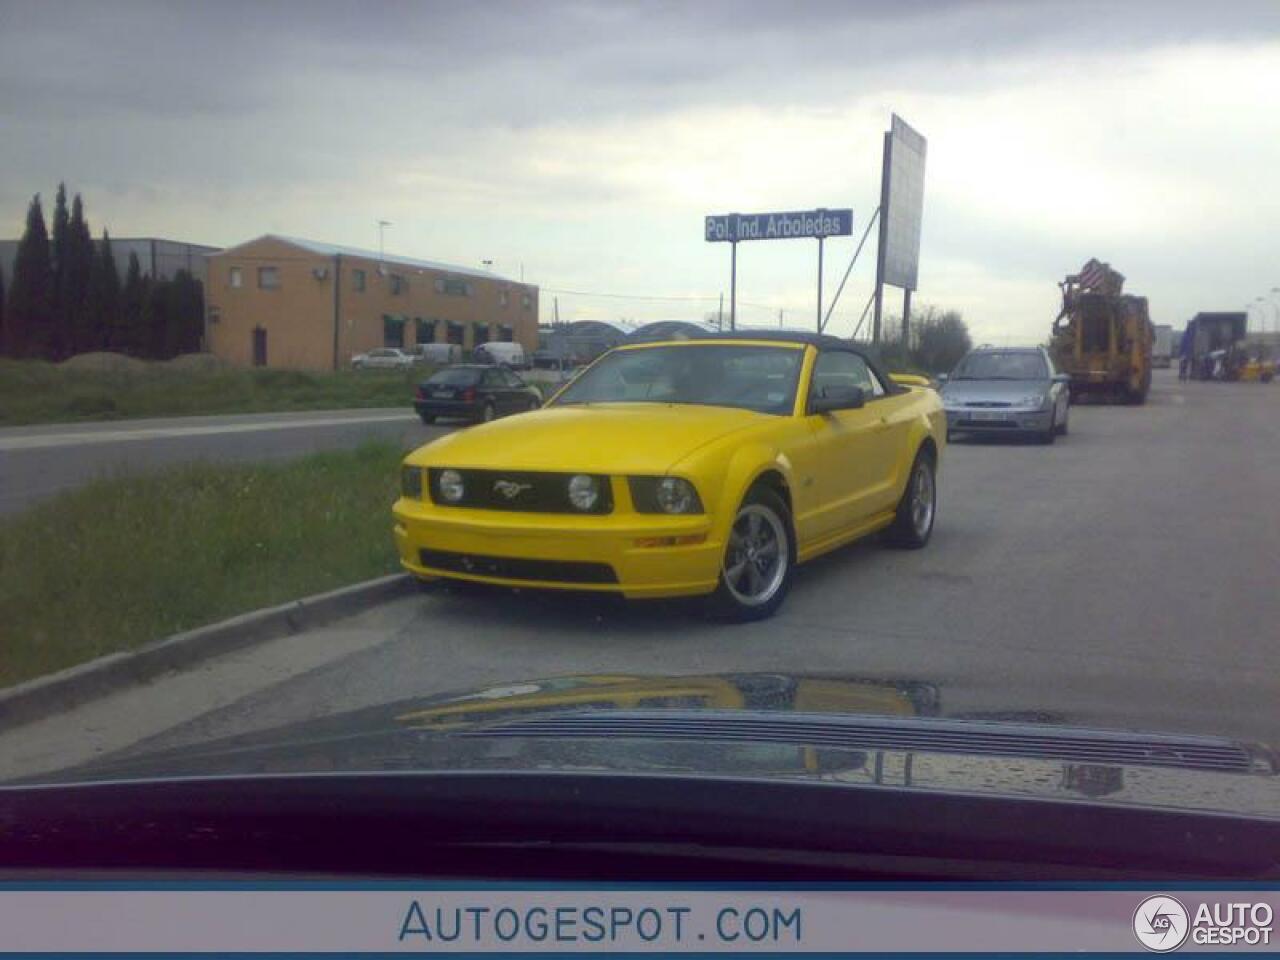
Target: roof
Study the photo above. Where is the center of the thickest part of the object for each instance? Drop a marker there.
(334, 250)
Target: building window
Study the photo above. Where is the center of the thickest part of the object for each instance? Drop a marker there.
(453, 286)
(454, 332)
(479, 334)
(526, 301)
(236, 277)
(503, 298)
(358, 280)
(424, 330)
(215, 314)
(269, 278)
(392, 331)
(397, 284)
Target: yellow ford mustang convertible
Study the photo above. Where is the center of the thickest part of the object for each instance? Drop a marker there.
(710, 466)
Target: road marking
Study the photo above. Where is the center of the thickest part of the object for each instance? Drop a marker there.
(162, 433)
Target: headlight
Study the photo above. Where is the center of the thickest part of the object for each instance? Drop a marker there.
(664, 495)
(584, 492)
(451, 486)
(1034, 400)
(676, 495)
(411, 482)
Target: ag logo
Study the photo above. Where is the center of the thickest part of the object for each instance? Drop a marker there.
(1161, 924)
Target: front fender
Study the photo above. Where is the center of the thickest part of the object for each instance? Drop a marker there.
(746, 465)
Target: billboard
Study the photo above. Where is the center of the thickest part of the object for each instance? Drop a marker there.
(902, 203)
(791, 225)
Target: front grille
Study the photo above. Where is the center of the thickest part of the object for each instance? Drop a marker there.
(984, 424)
(987, 404)
(530, 492)
(518, 568)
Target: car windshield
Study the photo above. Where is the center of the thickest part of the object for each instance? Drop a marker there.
(454, 377)
(1001, 366)
(729, 375)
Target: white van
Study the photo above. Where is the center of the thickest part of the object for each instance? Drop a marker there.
(440, 354)
(501, 353)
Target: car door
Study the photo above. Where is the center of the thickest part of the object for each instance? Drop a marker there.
(492, 388)
(520, 395)
(1058, 391)
(855, 448)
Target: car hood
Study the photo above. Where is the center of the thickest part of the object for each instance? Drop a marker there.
(998, 391)
(836, 729)
(602, 437)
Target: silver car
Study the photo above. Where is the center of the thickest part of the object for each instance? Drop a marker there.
(1007, 390)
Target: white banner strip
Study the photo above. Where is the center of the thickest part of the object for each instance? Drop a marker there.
(657, 921)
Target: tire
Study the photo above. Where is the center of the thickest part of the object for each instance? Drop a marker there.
(427, 418)
(913, 526)
(1062, 427)
(490, 412)
(762, 526)
(534, 405)
(1050, 434)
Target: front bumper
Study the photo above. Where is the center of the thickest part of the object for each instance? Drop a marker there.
(637, 555)
(998, 420)
(447, 408)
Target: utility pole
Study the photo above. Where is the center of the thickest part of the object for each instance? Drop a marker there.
(779, 319)
(720, 313)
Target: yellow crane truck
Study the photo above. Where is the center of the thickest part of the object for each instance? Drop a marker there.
(1102, 337)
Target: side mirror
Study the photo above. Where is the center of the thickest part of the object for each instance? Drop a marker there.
(1062, 378)
(943, 377)
(837, 397)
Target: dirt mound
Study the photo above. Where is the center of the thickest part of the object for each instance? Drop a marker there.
(103, 362)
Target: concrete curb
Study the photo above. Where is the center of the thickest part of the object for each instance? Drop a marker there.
(51, 694)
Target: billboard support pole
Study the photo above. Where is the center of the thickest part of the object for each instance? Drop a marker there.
(733, 285)
(883, 237)
(906, 318)
(820, 284)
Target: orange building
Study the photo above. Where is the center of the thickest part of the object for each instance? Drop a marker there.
(284, 302)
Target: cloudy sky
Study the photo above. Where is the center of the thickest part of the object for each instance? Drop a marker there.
(583, 142)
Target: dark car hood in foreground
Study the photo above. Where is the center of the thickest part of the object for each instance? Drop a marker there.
(759, 726)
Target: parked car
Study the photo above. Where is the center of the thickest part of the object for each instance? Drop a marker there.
(1007, 390)
(384, 358)
(474, 392)
(501, 353)
(700, 467)
(439, 354)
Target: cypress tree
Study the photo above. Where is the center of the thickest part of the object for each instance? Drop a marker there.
(133, 337)
(62, 327)
(78, 268)
(104, 298)
(30, 308)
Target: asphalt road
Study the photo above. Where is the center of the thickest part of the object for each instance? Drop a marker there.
(36, 462)
(1126, 576)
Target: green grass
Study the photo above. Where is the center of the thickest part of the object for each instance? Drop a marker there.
(123, 561)
(33, 391)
